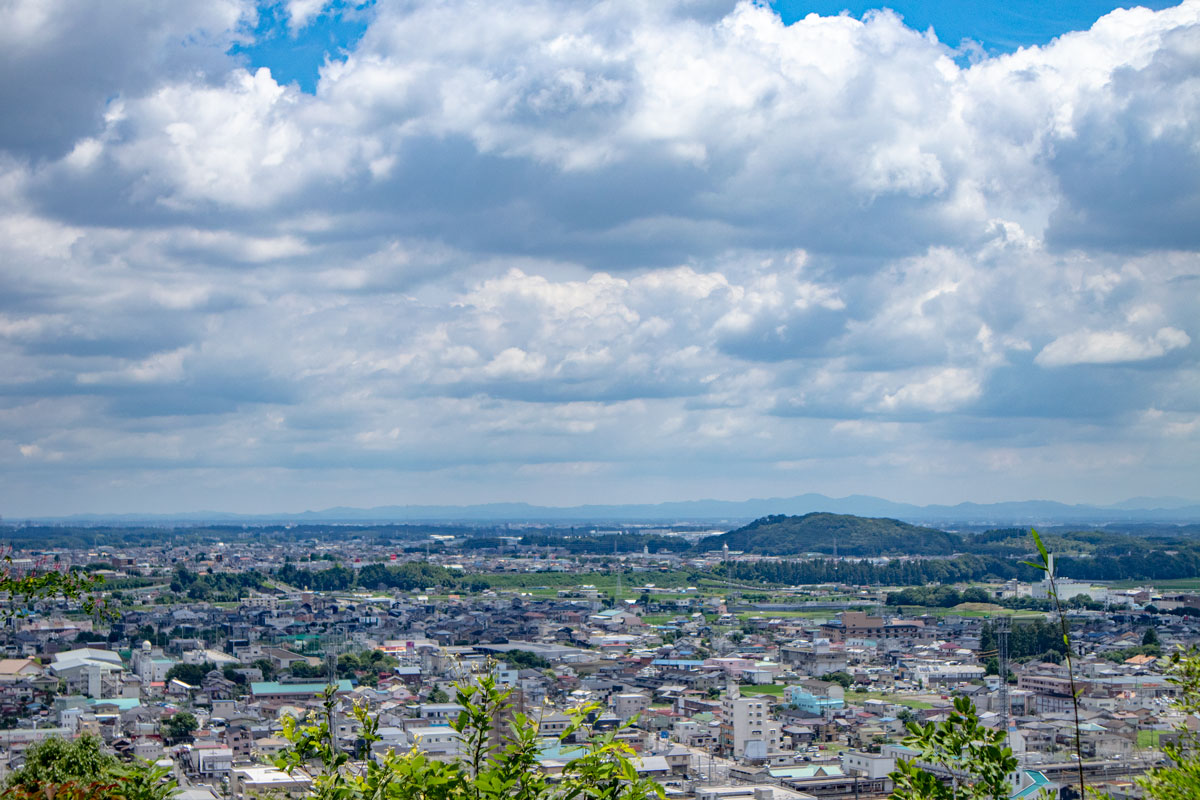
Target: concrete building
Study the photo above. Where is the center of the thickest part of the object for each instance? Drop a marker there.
(746, 727)
(258, 781)
(628, 705)
(816, 697)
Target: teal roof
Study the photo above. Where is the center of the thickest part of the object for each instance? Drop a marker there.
(554, 750)
(1039, 780)
(275, 687)
(122, 703)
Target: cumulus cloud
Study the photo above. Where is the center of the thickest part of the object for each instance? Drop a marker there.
(1109, 347)
(648, 241)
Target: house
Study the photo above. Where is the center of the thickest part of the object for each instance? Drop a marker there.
(16, 669)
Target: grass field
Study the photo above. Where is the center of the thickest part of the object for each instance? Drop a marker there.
(970, 610)
(805, 614)
(1148, 738)
(773, 689)
(856, 698)
(1179, 584)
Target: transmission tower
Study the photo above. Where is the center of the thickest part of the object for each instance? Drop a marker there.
(728, 578)
(1002, 631)
(617, 567)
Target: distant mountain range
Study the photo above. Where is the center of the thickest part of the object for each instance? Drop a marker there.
(717, 512)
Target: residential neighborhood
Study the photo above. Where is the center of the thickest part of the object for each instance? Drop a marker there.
(720, 693)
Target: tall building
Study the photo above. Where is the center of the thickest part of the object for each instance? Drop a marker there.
(747, 729)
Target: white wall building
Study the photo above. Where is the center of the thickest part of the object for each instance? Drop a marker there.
(746, 725)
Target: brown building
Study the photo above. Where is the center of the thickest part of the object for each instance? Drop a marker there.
(858, 625)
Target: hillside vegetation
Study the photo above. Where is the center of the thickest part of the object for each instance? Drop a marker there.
(841, 533)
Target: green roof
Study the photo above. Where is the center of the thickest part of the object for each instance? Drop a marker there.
(275, 687)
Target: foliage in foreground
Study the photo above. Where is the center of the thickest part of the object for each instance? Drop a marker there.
(79, 770)
(974, 757)
(1180, 780)
(495, 763)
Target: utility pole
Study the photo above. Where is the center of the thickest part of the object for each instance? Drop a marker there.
(1002, 631)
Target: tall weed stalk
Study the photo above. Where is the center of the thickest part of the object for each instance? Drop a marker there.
(1046, 567)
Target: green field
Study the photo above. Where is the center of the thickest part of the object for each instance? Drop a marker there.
(1176, 584)
(773, 689)
(996, 611)
(856, 698)
(806, 614)
(1148, 738)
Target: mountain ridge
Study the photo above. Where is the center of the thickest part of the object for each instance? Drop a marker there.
(708, 510)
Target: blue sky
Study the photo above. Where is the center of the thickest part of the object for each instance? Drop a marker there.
(269, 258)
(998, 25)
(297, 54)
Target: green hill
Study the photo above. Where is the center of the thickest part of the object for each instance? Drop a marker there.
(841, 533)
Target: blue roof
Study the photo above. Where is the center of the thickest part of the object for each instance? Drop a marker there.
(676, 662)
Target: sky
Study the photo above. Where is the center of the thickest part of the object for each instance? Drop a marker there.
(268, 257)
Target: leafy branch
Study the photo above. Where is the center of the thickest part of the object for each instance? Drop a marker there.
(1047, 567)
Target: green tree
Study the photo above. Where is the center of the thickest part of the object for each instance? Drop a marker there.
(22, 591)
(191, 674)
(525, 659)
(843, 679)
(1181, 779)
(56, 760)
(266, 668)
(179, 727)
(972, 759)
(1150, 636)
(81, 770)
(302, 669)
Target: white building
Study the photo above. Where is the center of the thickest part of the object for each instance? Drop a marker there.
(149, 664)
(84, 669)
(868, 765)
(437, 741)
(210, 762)
(257, 781)
(747, 729)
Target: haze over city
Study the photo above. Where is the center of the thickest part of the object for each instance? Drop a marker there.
(284, 256)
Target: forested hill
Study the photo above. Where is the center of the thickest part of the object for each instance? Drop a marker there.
(841, 533)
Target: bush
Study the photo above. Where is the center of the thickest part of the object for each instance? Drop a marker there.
(79, 770)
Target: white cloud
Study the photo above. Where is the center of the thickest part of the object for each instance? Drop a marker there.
(614, 234)
(302, 12)
(1110, 347)
(944, 390)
